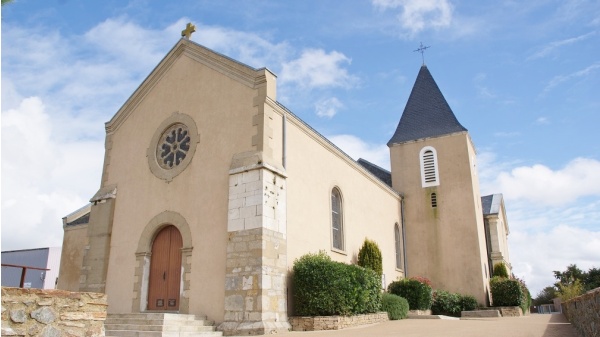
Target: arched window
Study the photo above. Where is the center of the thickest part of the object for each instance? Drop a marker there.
(337, 221)
(398, 245)
(429, 167)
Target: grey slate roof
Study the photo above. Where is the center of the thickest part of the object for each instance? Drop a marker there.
(381, 173)
(490, 204)
(427, 114)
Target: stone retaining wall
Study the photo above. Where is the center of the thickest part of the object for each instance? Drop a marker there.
(49, 313)
(315, 323)
(584, 313)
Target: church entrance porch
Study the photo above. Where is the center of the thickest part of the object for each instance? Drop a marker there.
(165, 270)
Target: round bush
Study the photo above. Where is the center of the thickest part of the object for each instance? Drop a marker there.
(322, 287)
(395, 306)
(446, 303)
(418, 294)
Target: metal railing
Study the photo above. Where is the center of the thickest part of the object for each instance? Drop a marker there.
(23, 271)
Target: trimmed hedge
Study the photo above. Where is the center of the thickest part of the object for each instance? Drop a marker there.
(452, 304)
(417, 293)
(506, 292)
(369, 256)
(322, 287)
(395, 306)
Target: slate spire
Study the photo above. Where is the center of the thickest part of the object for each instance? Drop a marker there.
(427, 114)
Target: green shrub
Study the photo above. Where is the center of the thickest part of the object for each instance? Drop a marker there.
(369, 256)
(452, 304)
(527, 301)
(506, 292)
(395, 306)
(500, 270)
(322, 287)
(446, 303)
(468, 303)
(417, 293)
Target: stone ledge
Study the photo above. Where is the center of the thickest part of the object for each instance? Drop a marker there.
(317, 323)
(480, 314)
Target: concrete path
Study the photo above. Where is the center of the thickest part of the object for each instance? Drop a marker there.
(535, 325)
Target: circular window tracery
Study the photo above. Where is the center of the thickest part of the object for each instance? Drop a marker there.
(173, 146)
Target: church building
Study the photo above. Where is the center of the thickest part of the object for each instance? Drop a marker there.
(211, 189)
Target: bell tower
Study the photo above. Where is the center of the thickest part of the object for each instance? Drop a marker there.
(433, 163)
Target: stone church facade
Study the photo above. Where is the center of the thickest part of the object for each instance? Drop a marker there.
(211, 189)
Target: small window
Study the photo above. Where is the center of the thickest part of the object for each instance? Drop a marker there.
(398, 245)
(337, 225)
(433, 200)
(429, 167)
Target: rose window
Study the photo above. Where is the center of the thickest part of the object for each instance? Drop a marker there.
(173, 146)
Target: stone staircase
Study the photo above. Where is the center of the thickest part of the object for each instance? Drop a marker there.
(158, 325)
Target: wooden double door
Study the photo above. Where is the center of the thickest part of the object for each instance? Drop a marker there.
(165, 270)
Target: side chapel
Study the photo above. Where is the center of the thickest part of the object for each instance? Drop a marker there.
(211, 189)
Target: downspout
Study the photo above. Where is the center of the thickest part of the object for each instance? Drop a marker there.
(284, 141)
(403, 235)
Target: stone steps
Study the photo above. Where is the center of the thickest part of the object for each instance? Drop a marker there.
(158, 325)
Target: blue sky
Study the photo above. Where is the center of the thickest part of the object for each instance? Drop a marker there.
(522, 77)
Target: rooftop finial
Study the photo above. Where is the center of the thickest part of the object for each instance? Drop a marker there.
(189, 29)
(421, 50)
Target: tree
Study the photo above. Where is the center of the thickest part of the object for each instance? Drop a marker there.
(569, 276)
(4, 2)
(569, 291)
(369, 256)
(545, 296)
(591, 279)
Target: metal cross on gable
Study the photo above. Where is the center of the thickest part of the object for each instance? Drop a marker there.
(189, 29)
(421, 50)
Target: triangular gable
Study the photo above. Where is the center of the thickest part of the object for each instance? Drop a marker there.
(238, 71)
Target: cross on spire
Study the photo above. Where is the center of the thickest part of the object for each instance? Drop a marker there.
(421, 50)
(189, 29)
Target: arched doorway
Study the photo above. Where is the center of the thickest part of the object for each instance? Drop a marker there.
(165, 270)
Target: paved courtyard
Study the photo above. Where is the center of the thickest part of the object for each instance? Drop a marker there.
(535, 325)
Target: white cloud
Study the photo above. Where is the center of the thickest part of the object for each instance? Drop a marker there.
(542, 185)
(248, 48)
(357, 148)
(328, 107)
(482, 89)
(553, 215)
(316, 68)
(419, 15)
(43, 179)
(552, 46)
(562, 78)
(536, 255)
(542, 121)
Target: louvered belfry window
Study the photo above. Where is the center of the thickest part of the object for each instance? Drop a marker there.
(337, 226)
(429, 167)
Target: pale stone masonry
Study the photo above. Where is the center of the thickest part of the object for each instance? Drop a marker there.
(316, 323)
(255, 280)
(49, 312)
